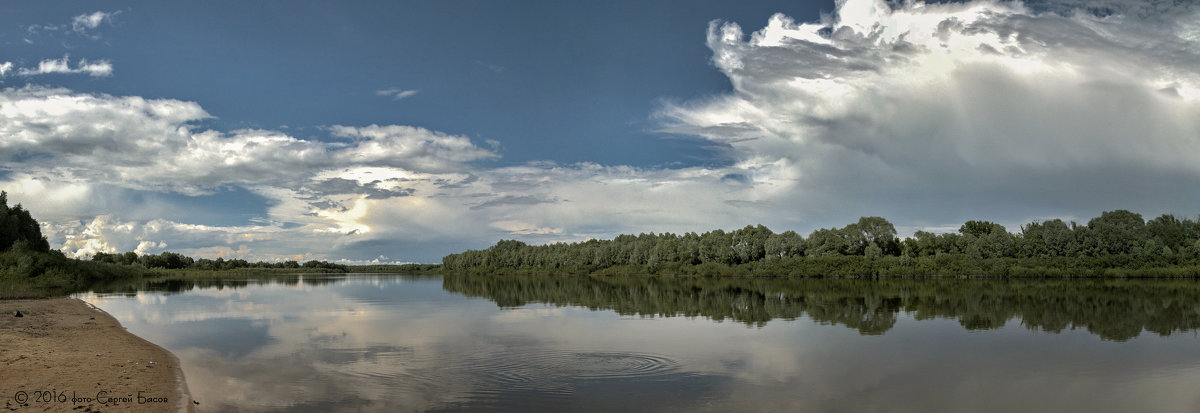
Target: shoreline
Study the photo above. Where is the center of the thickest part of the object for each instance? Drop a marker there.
(66, 354)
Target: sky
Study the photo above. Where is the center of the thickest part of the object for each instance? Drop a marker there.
(404, 131)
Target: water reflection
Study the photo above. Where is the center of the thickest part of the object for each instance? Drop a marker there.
(1112, 309)
(172, 286)
(386, 343)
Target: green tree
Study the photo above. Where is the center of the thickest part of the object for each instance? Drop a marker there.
(1168, 230)
(1117, 232)
(1057, 237)
(750, 243)
(17, 225)
(717, 246)
(785, 244)
(823, 242)
(877, 230)
(997, 244)
(979, 229)
(873, 252)
(922, 244)
(1032, 242)
(852, 240)
(951, 243)
(880, 232)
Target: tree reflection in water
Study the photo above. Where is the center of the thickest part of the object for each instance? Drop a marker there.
(1113, 309)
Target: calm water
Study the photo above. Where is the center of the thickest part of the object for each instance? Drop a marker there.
(397, 343)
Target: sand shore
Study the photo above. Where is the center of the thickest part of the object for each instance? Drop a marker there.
(65, 355)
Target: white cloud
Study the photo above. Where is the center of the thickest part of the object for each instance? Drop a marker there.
(99, 68)
(88, 21)
(104, 233)
(151, 144)
(66, 153)
(5, 68)
(81, 25)
(988, 109)
(524, 228)
(334, 213)
(396, 93)
(380, 260)
(407, 147)
(111, 234)
(34, 29)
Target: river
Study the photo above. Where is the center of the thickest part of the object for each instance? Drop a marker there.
(389, 343)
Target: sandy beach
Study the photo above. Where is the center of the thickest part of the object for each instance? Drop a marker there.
(65, 355)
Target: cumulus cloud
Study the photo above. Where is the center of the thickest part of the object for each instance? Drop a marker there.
(5, 68)
(407, 147)
(70, 149)
(356, 211)
(85, 240)
(99, 68)
(396, 93)
(152, 144)
(110, 234)
(983, 108)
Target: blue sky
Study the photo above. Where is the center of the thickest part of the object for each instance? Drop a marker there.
(403, 131)
(562, 81)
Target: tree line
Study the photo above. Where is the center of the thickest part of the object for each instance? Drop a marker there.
(1114, 241)
(173, 261)
(29, 268)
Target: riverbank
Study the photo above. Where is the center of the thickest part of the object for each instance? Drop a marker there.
(63, 354)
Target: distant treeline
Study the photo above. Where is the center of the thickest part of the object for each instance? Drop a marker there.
(176, 261)
(29, 268)
(1117, 243)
